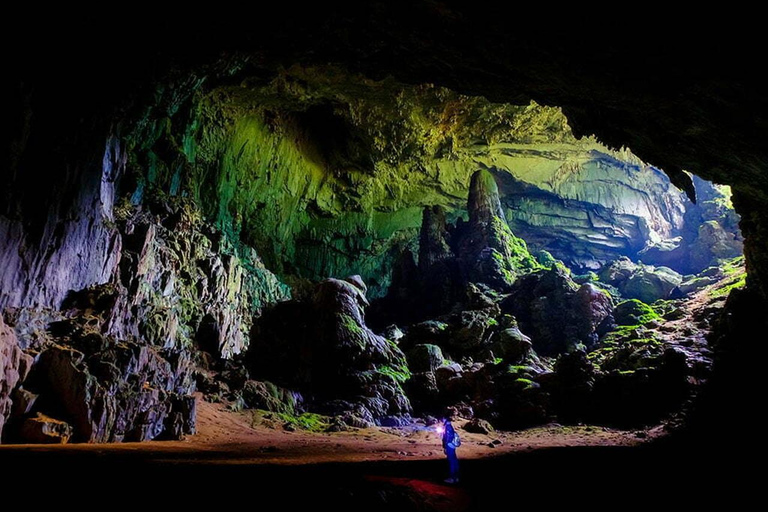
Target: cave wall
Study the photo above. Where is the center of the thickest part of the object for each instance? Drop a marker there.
(325, 172)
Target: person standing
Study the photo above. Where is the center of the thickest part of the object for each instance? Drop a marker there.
(451, 441)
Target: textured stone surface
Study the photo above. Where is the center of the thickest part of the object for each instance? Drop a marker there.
(555, 312)
(74, 246)
(116, 391)
(322, 347)
(14, 366)
(183, 284)
(45, 430)
(424, 358)
(638, 281)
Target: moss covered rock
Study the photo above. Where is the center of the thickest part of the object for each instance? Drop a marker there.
(634, 312)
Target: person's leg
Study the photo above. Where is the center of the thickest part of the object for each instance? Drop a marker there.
(453, 465)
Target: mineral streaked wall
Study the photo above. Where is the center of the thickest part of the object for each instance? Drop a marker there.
(326, 173)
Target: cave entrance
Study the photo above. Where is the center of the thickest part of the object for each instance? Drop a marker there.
(523, 333)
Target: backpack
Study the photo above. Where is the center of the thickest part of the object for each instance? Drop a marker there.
(456, 439)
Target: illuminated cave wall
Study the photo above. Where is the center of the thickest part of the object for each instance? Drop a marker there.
(326, 173)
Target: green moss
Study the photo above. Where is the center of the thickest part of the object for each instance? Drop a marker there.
(400, 374)
(733, 266)
(724, 289)
(514, 248)
(545, 259)
(350, 324)
(625, 333)
(634, 312)
(307, 421)
(525, 384)
(520, 371)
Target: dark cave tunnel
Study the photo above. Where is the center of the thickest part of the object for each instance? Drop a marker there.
(339, 96)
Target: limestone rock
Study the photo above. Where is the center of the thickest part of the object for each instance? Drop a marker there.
(651, 284)
(267, 396)
(423, 392)
(424, 358)
(634, 312)
(489, 251)
(555, 312)
(571, 386)
(121, 392)
(637, 281)
(44, 430)
(23, 402)
(322, 346)
(14, 366)
(514, 347)
(479, 426)
(434, 236)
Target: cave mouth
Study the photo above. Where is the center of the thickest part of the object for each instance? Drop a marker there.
(344, 252)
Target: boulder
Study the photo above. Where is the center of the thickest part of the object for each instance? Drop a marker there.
(617, 272)
(479, 426)
(650, 284)
(634, 312)
(639, 281)
(44, 430)
(424, 358)
(511, 345)
(693, 285)
(448, 376)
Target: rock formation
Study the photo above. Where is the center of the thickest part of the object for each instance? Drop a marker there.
(14, 366)
(114, 360)
(321, 347)
(637, 281)
(489, 251)
(557, 313)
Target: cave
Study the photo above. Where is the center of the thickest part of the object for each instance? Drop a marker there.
(275, 253)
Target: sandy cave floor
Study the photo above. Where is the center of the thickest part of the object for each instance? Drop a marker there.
(226, 437)
(229, 461)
